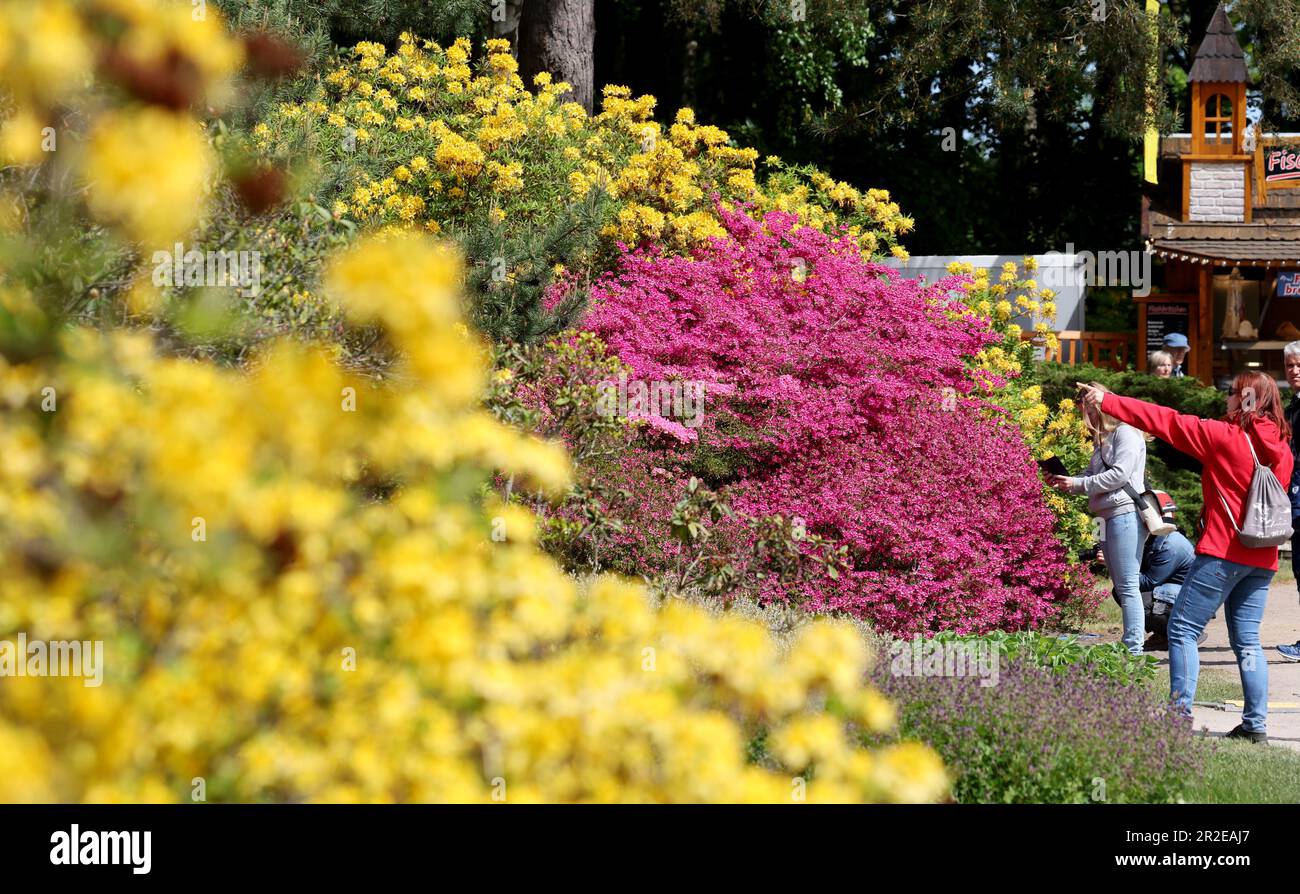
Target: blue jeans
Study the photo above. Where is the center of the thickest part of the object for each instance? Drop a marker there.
(1243, 591)
(1121, 544)
(1167, 593)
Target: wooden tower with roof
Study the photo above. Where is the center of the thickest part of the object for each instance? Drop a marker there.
(1216, 181)
(1225, 224)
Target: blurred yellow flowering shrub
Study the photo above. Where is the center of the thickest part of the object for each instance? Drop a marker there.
(145, 166)
(154, 203)
(425, 139)
(304, 594)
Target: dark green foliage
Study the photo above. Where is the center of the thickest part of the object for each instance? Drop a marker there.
(1110, 309)
(716, 460)
(509, 273)
(349, 21)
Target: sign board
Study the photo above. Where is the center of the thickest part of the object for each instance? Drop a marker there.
(1163, 319)
(1277, 165)
(1281, 163)
(1288, 284)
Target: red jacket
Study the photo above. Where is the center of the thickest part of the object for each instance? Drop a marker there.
(1228, 468)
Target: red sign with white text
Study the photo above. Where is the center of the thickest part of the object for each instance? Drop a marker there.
(1281, 163)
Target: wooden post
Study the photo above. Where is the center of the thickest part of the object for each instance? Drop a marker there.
(1203, 362)
(1250, 204)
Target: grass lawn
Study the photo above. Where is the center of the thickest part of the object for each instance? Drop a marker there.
(1212, 685)
(1284, 575)
(1242, 773)
(1106, 618)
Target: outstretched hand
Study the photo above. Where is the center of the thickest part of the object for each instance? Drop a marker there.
(1090, 395)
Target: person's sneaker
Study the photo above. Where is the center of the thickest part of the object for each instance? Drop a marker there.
(1240, 732)
(1205, 634)
(1291, 652)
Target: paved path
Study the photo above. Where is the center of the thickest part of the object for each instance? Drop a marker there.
(1281, 625)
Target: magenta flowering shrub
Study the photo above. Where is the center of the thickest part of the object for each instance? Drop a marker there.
(842, 395)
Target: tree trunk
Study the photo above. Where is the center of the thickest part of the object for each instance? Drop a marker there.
(559, 36)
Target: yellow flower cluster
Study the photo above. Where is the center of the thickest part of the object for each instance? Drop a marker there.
(457, 155)
(143, 168)
(45, 50)
(827, 204)
(272, 628)
(129, 185)
(490, 136)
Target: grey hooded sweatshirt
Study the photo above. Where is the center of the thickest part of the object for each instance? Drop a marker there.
(1125, 451)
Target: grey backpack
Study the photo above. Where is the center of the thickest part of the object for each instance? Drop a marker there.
(1267, 521)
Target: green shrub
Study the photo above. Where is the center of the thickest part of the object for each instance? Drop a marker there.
(1111, 309)
(1056, 653)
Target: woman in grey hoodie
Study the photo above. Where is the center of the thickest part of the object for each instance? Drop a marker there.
(1119, 457)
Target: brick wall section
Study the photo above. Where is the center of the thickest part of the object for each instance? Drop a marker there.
(1218, 192)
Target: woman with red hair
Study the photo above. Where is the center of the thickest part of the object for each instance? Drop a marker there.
(1226, 572)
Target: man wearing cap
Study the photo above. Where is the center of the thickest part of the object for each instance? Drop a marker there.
(1177, 346)
(1291, 363)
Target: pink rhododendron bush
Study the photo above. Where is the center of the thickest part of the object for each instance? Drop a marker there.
(840, 401)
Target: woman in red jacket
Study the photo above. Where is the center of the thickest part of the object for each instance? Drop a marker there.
(1225, 572)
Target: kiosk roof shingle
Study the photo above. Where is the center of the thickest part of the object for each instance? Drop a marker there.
(1219, 58)
(1235, 250)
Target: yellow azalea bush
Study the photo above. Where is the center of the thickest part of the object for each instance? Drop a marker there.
(426, 136)
(274, 628)
(1000, 297)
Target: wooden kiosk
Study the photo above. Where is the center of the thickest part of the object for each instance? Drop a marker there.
(1225, 226)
